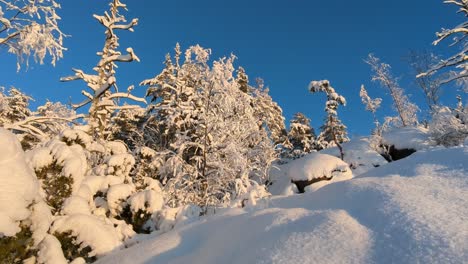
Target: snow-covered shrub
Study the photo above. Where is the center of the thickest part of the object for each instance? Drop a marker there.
(208, 131)
(448, 127)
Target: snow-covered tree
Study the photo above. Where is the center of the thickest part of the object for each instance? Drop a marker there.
(405, 109)
(211, 144)
(449, 127)
(301, 135)
(126, 126)
(30, 28)
(459, 61)
(430, 84)
(371, 105)
(102, 99)
(269, 114)
(32, 127)
(333, 131)
(243, 80)
(14, 106)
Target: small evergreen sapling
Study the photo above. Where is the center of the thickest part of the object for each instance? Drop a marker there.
(333, 132)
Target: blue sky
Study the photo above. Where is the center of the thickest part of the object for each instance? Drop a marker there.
(287, 43)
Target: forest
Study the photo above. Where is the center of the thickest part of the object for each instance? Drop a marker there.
(206, 147)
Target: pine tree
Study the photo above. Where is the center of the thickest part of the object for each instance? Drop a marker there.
(102, 100)
(333, 131)
(243, 80)
(301, 135)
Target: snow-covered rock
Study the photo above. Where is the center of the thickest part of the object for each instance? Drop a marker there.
(314, 166)
(318, 170)
(18, 185)
(358, 154)
(416, 138)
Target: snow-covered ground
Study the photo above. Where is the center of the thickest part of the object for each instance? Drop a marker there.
(410, 211)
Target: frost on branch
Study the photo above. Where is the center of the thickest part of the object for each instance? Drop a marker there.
(102, 99)
(371, 105)
(459, 61)
(405, 109)
(30, 28)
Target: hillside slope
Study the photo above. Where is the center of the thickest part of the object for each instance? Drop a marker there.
(410, 211)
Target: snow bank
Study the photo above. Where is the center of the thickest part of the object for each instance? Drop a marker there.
(410, 211)
(18, 184)
(269, 236)
(416, 138)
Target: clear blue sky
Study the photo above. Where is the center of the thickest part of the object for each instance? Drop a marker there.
(287, 43)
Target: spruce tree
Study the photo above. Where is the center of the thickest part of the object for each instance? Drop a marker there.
(301, 135)
(333, 131)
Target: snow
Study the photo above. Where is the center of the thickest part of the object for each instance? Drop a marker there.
(116, 194)
(409, 211)
(50, 251)
(89, 231)
(147, 201)
(18, 184)
(359, 155)
(316, 165)
(416, 138)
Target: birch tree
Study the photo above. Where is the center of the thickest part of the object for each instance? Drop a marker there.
(406, 110)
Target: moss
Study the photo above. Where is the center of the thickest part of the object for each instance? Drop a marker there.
(72, 249)
(56, 186)
(18, 248)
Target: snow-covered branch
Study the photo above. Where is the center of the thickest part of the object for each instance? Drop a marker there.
(30, 28)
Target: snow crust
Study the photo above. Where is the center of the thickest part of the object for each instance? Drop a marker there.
(409, 211)
(18, 184)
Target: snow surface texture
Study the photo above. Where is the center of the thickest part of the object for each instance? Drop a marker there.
(18, 185)
(409, 211)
